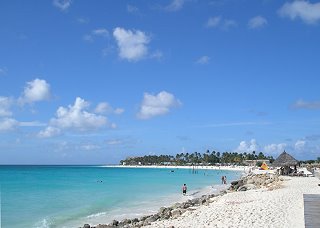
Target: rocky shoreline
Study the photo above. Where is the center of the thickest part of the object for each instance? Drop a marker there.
(248, 182)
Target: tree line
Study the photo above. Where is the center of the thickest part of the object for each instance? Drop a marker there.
(207, 158)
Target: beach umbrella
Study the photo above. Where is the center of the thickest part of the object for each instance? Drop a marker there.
(285, 159)
(264, 166)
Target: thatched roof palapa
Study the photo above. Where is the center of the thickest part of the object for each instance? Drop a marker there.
(285, 159)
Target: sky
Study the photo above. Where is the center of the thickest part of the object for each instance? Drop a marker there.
(93, 82)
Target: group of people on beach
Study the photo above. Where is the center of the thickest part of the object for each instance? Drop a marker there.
(184, 186)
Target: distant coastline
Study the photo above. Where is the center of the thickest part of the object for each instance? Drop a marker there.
(202, 167)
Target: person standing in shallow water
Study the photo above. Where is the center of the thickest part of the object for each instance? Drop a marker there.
(184, 189)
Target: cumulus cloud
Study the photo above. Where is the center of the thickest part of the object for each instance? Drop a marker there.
(275, 148)
(248, 146)
(175, 5)
(76, 117)
(213, 22)
(304, 10)
(301, 104)
(155, 105)
(300, 145)
(36, 90)
(8, 124)
(132, 44)
(106, 108)
(203, 60)
(49, 132)
(257, 22)
(63, 5)
(5, 105)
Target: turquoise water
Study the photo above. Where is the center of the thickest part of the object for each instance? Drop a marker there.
(69, 196)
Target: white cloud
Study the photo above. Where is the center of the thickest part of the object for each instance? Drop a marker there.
(300, 145)
(257, 22)
(63, 5)
(82, 20)
(132, 9)
(203, 60)
(218, 22)
(213, 22)
(106, 108)
(301, 104)
(8, 124)
(36, 90)
(175, 5)
(3, 71)
(156, 55)
(88, 38)
(114, 142)
(101, 32)
(229, 24)
(31, 124)
(75, 117)
(231, 124)
(248, 146)
(132, 44)
(89, 147)
(49, 132)
(275, 148)
(5, 105)
(306, 11)
(155, 105)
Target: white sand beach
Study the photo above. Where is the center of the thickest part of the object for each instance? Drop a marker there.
(282, 207)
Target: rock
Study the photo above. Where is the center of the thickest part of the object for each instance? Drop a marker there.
(247, 187)
(183, 210)
(175, 213)
(115, 223)
(104, 226)
(86, 226)
(152, 218)
(162, 210)
(135, 220)
(126, 221)
(177, 205)
(234, 182)
(144, 218)
(250, 181)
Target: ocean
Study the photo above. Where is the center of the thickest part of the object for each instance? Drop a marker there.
(70, 196)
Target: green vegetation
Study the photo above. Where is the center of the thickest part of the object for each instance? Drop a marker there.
(207, 158)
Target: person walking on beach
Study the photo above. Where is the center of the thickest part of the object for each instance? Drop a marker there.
(222, 179)
(184, 189)
(225, 179)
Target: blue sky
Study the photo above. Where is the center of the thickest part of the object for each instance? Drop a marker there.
(92, 82)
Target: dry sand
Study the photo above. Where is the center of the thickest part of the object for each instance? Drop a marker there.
(279, 208)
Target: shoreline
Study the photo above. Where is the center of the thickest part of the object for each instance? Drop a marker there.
(210, 189)
(280, 205)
